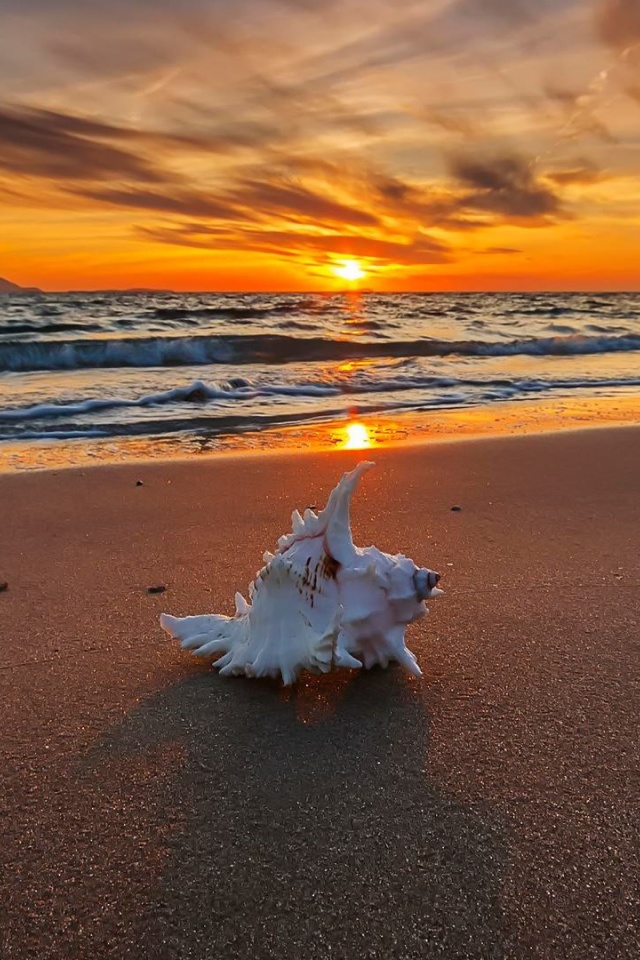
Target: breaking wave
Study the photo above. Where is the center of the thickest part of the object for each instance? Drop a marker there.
(436, 392)
(274, 348)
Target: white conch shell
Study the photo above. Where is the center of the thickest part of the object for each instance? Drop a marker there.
(319, 602)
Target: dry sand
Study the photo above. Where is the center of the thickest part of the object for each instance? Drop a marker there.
(151, 809)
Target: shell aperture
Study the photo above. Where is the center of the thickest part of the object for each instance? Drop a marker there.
(319, 602)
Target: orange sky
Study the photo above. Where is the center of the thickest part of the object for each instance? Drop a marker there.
(441, 144)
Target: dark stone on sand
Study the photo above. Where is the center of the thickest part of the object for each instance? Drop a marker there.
(456, 509)
(4, 586)
(158, 589)
(139, 483)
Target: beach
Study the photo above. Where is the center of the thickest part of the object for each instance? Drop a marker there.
(153, 809)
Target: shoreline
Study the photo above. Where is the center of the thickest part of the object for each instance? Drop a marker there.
(506, 419)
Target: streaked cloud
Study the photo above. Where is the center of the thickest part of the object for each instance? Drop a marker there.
(619, 23)
(506, 185)
(40, 144)
(189, 203)
(316, 248)
(583, 173)
(296, 201)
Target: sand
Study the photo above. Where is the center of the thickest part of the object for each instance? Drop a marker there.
(152, 809)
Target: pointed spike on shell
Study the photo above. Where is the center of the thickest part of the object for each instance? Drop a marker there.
(289, 675)
(195, 643)
(346, 660)
(310, 516)
(369, 659)
(267, 556)
(169, 624)
(223, 661)
(324, 655)
(213, 646)
(407, 660)
(297, 523)
(242, 607)
(338, 533)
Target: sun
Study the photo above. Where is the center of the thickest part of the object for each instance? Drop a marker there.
(350, 270)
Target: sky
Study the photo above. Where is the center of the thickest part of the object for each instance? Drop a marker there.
(262, 144)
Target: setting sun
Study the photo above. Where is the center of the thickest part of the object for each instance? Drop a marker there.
(350, 270)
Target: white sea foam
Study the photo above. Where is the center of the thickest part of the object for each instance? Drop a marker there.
(273, 348)
(198, 393)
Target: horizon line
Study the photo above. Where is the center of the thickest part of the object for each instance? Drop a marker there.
(139, 291)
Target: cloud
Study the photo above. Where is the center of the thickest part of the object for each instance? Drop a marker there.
(579, 109)
(505, 185)
(295, 201)
(452, 121)
(583, 174)
(420, 249)
(482, 192)
(47, 128)
(502, 251)
(69, 149)
(618, 23)
(41, 144)
(510, 13)
(417, 250)
(247, 202)
(185, 202)
(55, 122)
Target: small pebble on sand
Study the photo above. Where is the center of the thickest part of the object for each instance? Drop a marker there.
(159, 589)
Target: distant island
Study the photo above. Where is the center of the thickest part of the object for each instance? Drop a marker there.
(13, 289)
(7, 287)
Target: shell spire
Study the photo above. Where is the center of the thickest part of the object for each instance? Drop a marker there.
(336, 519)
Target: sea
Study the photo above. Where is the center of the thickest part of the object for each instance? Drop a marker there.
(97, 371)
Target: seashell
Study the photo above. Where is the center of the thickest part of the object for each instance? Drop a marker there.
(319, 602)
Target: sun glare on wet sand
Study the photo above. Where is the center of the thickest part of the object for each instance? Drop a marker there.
(357, 437)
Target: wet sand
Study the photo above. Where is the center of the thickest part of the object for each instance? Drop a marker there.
(152, 809)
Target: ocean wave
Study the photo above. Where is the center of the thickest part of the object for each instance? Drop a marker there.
(229, 312)
(438, 390)
(196, 393)
(224, 423)
(18, 356)
(543, 310)
(42, 328)
(297, 325)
